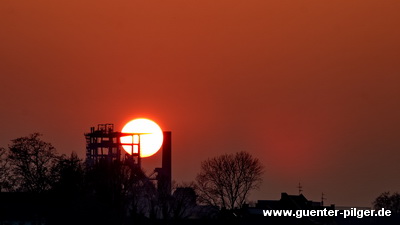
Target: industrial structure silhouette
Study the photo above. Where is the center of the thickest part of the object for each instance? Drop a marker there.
(104, 144)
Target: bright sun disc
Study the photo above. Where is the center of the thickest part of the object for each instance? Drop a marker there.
(150, 141)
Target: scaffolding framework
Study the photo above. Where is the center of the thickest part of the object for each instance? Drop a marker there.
(104, 144)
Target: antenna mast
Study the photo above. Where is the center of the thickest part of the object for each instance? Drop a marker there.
(322, 198)
(300, 188)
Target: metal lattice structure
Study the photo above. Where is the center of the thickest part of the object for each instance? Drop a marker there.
(104, 144)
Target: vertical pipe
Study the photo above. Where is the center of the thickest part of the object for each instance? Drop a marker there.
(167, 159)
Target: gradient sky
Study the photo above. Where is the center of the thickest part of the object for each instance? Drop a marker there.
(310, 87)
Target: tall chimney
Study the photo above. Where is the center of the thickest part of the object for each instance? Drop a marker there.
(166, 160)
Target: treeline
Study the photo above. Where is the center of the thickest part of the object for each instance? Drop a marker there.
(43, 187)
(61, 189)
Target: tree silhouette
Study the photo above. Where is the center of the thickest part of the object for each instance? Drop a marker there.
(183, 201)
(32, 164)
(5, 179)
(67, 195)
(69, 173)
(225, 181)
(388, 201)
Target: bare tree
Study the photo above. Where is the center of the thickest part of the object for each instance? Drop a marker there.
(225, 181)
(32, 163)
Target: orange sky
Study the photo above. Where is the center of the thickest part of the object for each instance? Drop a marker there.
(309, 87)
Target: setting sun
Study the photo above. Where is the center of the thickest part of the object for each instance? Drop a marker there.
(150, 140)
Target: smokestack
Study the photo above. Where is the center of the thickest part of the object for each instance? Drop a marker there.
(167, 160)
